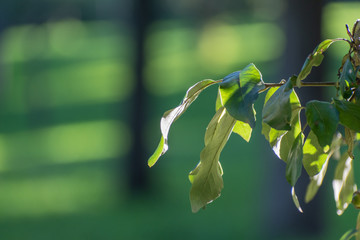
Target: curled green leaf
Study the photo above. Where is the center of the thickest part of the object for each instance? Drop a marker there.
(282, 140)
(206, 178)
(242, 129)
(277, 109)
(170, 116)
(239, 91)
(314, 59)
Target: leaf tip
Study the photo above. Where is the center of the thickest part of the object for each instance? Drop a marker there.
(296, 200)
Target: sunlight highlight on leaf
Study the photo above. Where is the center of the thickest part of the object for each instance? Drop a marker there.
(343, 183)
(295, 199)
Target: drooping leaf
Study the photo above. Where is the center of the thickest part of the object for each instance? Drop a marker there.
(239, 91)
(343, 183)
(349, 114)
(281, 140)
(277, 109)
(272, 135)
(170, 116)
(347, 78)
(242, 129)
(206, 178)
(349, 234)
(294, 161)
(295, 199)
(323, 118)
(314, 155)
(314, 59)
(316, 180)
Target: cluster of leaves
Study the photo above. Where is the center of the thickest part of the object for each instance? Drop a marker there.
(331, 125)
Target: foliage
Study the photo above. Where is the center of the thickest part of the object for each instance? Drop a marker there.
(331, 125)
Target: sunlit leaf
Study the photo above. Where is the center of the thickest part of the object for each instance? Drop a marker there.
(170, 116)
(277, 109)
(314, 59)
(349, 234)
(218, 103)
(343, 183)
(239, 91)
(294, 161)
(349, 114)
(206, 178)
(347, 78)
(314, 155)
(281, 140)
(316, 181)
(323, 118)
(242, 129)
(295, 199)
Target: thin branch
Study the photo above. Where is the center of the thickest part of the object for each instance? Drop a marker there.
(303, 84)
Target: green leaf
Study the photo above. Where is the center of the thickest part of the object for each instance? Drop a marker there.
(323, 119)
(239, 91)
(242, 129)
(281, 140)
(206, 178)
(349, 114)
(294, 161)
(277, 109)
(347, 78)
(172, 115)
(218, 103)
(316, 180)
(343, 183)
(314, 59)
(314, 155)
(295, 199)
(349, 234)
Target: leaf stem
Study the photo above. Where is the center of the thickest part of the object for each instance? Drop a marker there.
(303, 84)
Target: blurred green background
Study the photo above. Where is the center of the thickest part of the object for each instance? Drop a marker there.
(68, 84)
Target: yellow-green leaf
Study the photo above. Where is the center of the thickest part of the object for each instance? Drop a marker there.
(170, 116)
(206, 178)
(314, 155)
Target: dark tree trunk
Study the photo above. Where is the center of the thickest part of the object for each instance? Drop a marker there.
(137, 167)
(302, 25)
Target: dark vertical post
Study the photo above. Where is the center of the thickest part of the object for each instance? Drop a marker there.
(137, 161)
(302, 25)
